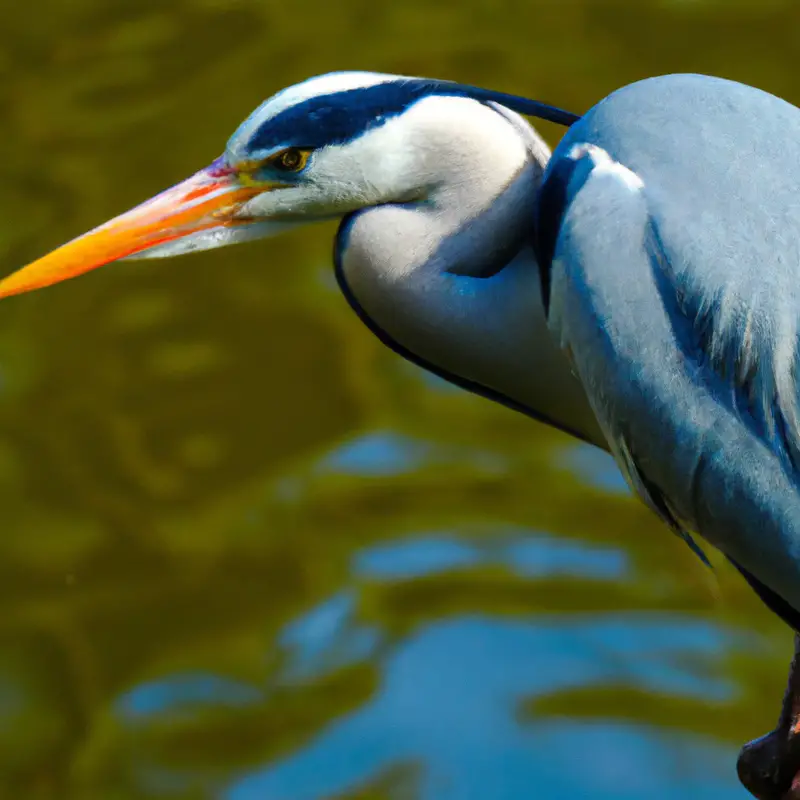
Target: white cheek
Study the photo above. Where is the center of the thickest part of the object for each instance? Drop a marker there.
(439, 142)
(365, 170)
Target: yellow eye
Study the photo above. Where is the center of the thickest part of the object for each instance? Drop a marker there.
(293, 159)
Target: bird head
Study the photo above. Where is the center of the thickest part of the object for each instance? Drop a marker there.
(317, 150)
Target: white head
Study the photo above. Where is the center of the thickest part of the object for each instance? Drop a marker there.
(437, 185)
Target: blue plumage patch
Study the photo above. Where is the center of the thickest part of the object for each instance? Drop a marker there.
(343, 116)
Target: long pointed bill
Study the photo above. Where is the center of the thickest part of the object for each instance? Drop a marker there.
(208, 199)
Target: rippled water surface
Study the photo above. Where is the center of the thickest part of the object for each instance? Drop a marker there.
(245, 552)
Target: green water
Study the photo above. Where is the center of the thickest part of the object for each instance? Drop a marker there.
(245, 552)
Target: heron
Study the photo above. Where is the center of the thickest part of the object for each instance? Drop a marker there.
(635, 288)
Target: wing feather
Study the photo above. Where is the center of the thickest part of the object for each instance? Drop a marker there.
(748, 339)
(694, 389)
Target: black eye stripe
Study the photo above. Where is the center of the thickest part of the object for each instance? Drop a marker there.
(339, 117)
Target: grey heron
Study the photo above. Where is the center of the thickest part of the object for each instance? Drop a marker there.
(637, 290)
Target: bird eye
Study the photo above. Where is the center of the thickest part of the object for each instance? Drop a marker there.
(293, 159)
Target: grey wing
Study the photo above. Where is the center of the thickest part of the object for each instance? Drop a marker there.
(698, 408)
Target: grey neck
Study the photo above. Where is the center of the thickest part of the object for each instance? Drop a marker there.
(452, 283)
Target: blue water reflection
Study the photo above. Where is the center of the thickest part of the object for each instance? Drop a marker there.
(596, 468)
(539, 556)
(524, 553)
(188, 692)
(376, 453)
(384, 454)
(416, 557)
(450, 695)
(326, 638)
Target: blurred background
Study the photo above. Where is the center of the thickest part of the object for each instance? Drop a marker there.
(245, 552)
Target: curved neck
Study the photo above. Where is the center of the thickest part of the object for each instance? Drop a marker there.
(451, 282)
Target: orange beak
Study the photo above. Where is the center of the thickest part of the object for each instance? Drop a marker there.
(211, 198)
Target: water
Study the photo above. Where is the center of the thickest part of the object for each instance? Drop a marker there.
(248, 553)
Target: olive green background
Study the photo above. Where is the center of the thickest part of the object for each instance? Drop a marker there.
(247, 552)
